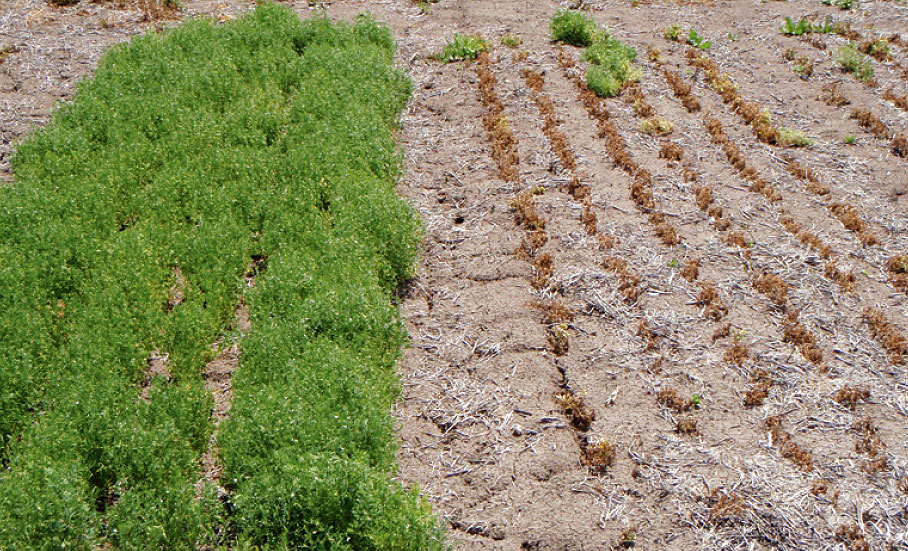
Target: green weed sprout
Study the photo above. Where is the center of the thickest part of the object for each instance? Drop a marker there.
(855, 63)
(672, 32)
(511, 40)
(463, 47)
(697, 41)
(794, 138)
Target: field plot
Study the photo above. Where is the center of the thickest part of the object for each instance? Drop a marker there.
(662, 301)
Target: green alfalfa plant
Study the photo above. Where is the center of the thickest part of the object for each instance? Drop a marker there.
(575, 28)
(611, 66)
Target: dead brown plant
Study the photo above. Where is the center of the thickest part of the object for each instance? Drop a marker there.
(784, 441)
(737, 353)
(669, 398)
(598, 456)
(574, 407)
(691, 270)
(849, 396)
(887, 334)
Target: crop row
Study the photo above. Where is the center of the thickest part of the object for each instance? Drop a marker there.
(679, 411)
(136, 212)
(851, 60)
(595, 454)
(641, 188)
(777, 290)
(847, 214)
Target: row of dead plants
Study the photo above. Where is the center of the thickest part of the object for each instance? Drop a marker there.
(597, 454)
(641, 190)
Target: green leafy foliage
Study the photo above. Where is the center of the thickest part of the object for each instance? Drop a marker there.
(697, 41)
(462, 47)
(200, 148)
(575, 28)
(803, 26)
(855, 63)
(611, 62)
(794, 138)
(611, 66)
(511, 40)
(672, 32)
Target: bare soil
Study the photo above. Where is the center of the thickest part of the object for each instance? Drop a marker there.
(745, 426)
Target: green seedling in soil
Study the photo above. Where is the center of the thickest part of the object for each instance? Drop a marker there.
(850, 139)
(424, 7)
(841, 4)
(794, 138)
(697, 41)
(827, 26)
(672, 32)
(673, 263)
(803, 26)
(462, 47)
(696, 400)
(576, 28)
(511, 40)
(732, 37)
(855, 63)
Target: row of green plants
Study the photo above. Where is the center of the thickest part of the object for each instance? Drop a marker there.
(611, 63)
(194, 151)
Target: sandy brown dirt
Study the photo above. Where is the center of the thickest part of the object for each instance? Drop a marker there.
(776, 453)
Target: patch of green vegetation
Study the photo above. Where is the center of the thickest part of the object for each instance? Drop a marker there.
(463, 47)
(850, 139)
(697, 41)
(575, 28)
(672, 32)
(611, 63)
(199, 149)
(511, 40)
(855, 63)
(805, 26)
(611, 66)
(841, 4)
(794, 138)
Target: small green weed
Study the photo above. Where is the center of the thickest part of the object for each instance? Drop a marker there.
(841, 4)
(855, 63)
(803, 26)
(462, 47)
(672, 32)
(850, 139)
(697, 41)
(511, 40)
(827, 26)
(575, 28)
(793, 138)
